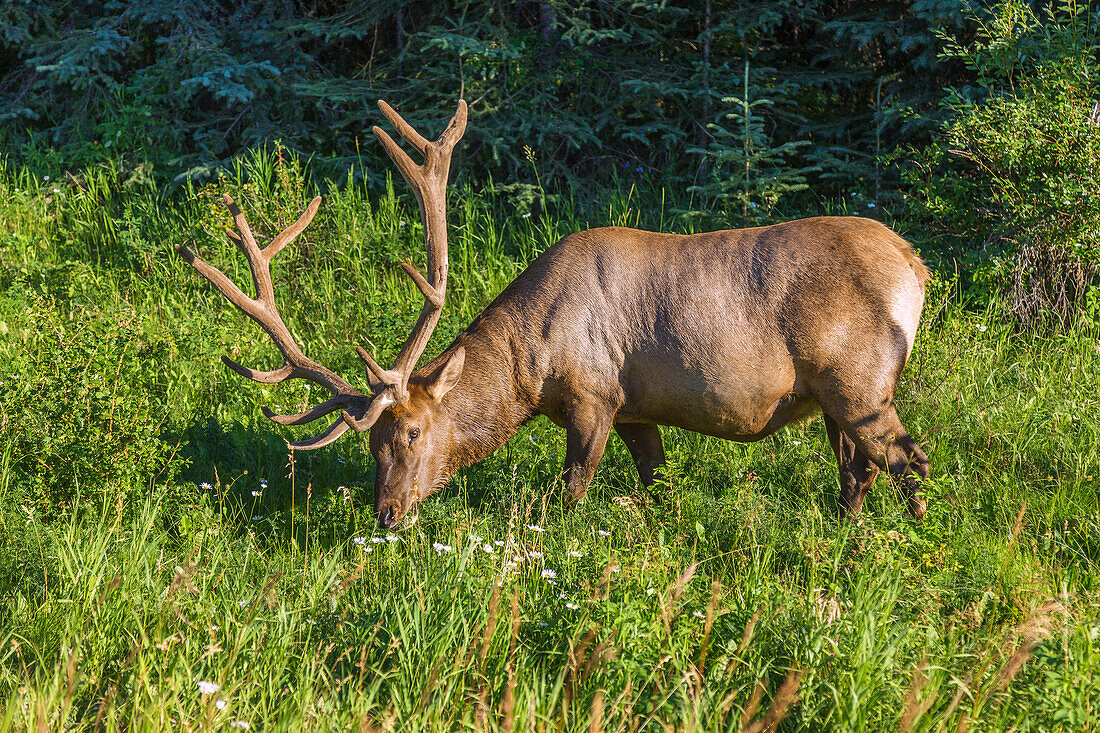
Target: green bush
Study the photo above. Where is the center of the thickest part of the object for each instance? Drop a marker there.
(1010, 182)
(81, 399)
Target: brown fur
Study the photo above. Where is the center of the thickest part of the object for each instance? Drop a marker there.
(732, 333)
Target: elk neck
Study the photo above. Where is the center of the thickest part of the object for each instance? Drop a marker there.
(488, 405)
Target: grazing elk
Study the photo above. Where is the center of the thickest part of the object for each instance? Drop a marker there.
(731, 333)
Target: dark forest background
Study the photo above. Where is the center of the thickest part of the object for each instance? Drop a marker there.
(971, 121)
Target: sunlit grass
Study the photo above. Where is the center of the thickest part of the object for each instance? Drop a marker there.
(156, 533)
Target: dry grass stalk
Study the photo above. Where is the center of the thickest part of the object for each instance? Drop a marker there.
(914, 706)
(781, 704)
(1019, 524)
(508, 704)
(595, 716)
(700, 664)
(672, 598)
(490, 626)
(753, 704)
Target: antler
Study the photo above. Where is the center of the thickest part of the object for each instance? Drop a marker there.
(262, 310)
(429, 182)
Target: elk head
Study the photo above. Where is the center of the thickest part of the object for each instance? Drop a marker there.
(410, 430)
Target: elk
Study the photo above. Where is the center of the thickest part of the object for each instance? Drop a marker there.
(731, 333)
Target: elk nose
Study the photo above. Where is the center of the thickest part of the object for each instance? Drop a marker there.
(386, 517)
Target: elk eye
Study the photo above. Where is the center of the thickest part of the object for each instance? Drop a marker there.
(414, 433)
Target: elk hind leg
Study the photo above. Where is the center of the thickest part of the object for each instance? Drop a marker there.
(856, 472)
(880, 436)
(646, 448)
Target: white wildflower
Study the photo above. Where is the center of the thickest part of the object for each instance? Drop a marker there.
(257, 494)
(535, 528)
(377, 540)
(392, 538)
(488, 549)
(440, 548)
(242, 724)
(572, 606)
(242, 604)
(870, 205)
(699, 614)
(359, 540)
(575, 553)
(208, 688)
(257, 518)
(548, 573)
(526, 216)
(476, 540)
(220, 704)
(535, 554)
(57, 190)
(205, 486)
(498, 543)
(603, 533)
(510, 565)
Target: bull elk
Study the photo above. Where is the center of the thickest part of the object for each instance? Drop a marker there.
(730, 333)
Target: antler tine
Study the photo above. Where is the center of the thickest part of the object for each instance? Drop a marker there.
(263, 310)
(429, 182)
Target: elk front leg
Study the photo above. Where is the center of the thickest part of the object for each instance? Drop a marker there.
(585, 440)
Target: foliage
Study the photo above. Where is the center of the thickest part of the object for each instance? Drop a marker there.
(746, 169)
(1016, 168)
(597, 89)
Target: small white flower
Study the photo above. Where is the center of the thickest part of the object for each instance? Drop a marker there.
(981, 327)
(870, 205)
(392, 538)
(542, 623)
(257, 518)
(368, 549)
(498, 543)
(535, 554)
(377, 540)
(440, 548)
(257, 494)
(263, 483)
(488, 549)
(535, 528)
(208, 688)
(526, 216)
(476, 540)
(650, 591)
(603, 533)
(615, 570)
(359, 540)
(45, 178)
(220, 704)
(205, 486)
(242, 724)
(57, 190)
(242, 604)
(575, 553)
(699, 614)
(548, 573)
(561, 595)
(510, 565)
(572, 606)
(402, 224)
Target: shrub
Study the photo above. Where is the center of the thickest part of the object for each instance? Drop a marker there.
(81, 405)
(1011, 179)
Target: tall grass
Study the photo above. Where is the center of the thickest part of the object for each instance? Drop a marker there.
(157, 534)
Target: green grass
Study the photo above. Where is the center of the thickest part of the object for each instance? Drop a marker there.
(125, 582)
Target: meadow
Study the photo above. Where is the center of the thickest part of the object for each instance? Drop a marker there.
(167, 563)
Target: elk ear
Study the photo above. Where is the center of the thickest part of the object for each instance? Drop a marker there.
(446, 376)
